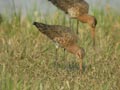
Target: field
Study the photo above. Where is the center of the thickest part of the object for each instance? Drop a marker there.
(27, 58)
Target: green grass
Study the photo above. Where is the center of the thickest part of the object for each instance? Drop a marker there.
(27, 58)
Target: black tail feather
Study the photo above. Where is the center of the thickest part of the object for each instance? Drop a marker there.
(40, 26)
(34, 23)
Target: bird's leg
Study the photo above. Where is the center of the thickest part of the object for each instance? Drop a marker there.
(93, 36)
(64, 54)
(64, 20)
(56, 54)
(64, 23)
(70, 23)
(77, 26)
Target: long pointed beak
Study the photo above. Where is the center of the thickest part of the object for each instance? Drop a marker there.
(80, 55)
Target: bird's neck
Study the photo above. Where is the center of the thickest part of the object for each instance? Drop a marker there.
(85, 18)
(77, 51)
(73, 49)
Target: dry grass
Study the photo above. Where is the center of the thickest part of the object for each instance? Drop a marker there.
(27, 59)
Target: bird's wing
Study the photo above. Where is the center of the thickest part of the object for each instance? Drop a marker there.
(60, 34)
(80, 6)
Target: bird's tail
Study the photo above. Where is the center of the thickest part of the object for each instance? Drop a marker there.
(41, 26)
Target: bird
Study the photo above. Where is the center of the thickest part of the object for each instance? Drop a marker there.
(78, 9)
(64, 37)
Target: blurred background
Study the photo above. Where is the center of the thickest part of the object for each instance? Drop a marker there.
(44, 6)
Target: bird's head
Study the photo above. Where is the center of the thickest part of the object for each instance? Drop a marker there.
(80, 53)
(92, 21)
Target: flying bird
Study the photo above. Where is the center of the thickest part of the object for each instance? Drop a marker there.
(77, 9)
(63, 36)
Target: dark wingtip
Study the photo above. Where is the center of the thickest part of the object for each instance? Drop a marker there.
(34, 23)
(39, 25)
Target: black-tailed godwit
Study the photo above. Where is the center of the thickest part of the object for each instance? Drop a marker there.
(63, 36)
(77, 9)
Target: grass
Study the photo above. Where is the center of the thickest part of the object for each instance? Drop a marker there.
(27, 58)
